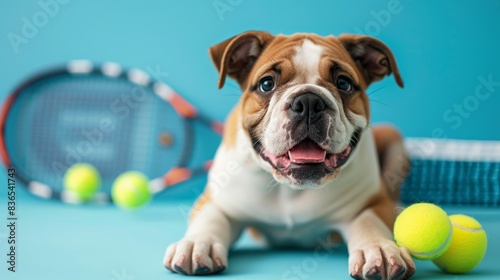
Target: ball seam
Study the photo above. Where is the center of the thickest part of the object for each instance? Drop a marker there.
(427, 254)
(466, 228)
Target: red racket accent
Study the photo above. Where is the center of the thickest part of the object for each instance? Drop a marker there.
(177, 175)
(208, 165)
(182, 107)
(218, 127)
(5, 110)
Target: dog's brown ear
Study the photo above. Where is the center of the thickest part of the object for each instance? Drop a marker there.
(236, 56)
(373, 58)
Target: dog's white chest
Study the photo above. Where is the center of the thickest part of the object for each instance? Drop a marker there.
(283, 214)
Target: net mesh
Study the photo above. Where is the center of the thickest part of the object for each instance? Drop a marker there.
(453, 172)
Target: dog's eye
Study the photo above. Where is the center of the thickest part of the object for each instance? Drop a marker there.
(344, 83)
(266, 84)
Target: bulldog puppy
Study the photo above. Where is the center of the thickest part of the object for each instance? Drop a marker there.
(299, 162)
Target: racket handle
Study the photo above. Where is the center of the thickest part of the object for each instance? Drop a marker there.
(178, 175)
(216, 126)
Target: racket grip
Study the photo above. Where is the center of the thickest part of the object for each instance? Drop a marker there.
(218, 127)
(177, 175)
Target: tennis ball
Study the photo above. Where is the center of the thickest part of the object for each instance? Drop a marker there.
(424, 229)
(131, 190)
(82, 180)
(468, 246)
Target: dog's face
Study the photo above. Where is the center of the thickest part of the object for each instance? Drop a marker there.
(304, 105)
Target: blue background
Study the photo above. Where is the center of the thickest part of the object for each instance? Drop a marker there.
(442, 48)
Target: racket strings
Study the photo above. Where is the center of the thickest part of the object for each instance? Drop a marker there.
(59, 121)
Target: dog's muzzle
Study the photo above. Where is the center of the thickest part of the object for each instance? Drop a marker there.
(309, 156)
(306, 108)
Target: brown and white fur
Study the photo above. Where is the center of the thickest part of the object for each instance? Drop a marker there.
(301, 92)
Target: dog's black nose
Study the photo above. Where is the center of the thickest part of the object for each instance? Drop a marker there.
(307, 106)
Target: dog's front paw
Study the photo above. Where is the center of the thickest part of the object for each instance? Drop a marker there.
(196, 257)
(384, 260)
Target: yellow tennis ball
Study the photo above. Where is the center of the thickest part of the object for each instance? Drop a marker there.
(82, 180)
(131, 190)
(468, 246)
(424, 229)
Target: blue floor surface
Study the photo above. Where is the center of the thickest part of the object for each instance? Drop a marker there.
(58, 241)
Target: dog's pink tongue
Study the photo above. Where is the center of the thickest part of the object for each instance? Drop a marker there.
(307, 152)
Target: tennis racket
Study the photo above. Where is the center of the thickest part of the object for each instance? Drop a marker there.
(113, 118)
